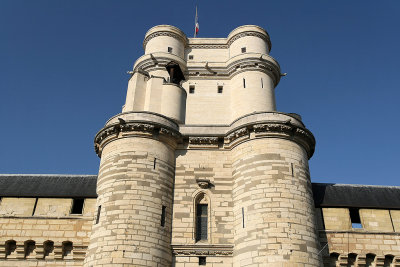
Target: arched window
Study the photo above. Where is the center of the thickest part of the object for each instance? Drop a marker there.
(201, 217)
(67, 250)
(10, 247)
(48, 248)
(29, 248)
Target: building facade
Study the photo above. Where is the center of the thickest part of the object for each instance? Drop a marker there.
(199, 169)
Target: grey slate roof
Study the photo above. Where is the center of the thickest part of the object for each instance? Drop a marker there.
(358, 196)
(48, 185)
(75, 186)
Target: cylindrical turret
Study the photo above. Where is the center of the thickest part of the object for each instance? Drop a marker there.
(248, 39)
(272, 197)
(254, 73)
(166, 39)
(134, 187)
(253, 91)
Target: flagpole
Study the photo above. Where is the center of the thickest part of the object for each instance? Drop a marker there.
(195, 24)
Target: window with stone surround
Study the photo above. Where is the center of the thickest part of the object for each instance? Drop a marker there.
(201, 217)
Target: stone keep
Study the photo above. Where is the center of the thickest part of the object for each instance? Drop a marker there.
(200, 168)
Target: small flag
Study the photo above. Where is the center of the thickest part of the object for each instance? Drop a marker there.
(196, 25)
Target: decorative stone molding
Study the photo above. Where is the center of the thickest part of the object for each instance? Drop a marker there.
(250, 33)
(236, 134)
(203, 142)
(273, 129)
(209, 46)
(202, 250)
(133, 128)
(203, 183)
(164, 33)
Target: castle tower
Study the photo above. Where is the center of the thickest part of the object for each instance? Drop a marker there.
(200, 168)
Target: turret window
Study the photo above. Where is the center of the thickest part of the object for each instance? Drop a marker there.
(220, 89)
(169, 49)
(163, 209)
(244, 83)
(243, 49)
(191, 89)
(190, 56)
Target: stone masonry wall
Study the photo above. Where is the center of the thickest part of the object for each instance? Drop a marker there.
(135, 180)
(51, 221)
(272, 190)
(192, 165)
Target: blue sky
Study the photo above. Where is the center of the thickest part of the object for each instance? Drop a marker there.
(63, 74)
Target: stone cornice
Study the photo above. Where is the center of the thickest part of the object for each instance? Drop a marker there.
(202, 250)
(269, 125)
(164, 33)
(209, 46)
(133, 128)
(250, 33)
(274, 129)
(278, 129)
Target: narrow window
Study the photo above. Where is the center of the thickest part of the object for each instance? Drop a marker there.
(34, 207)
(169, 49)
(202, 261)
(67, 250)
(29, 248)
(201, 222)
(98, 214)
(244, 83)
(291, 167)
(355, 218)
(10, 247)
(220, 89)
(243, 49)
(190, 56)
(243, 217)
(48, 248)
(191, 89)
(262, 83)
(77, 205)
(163, 216)
(154, 163)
